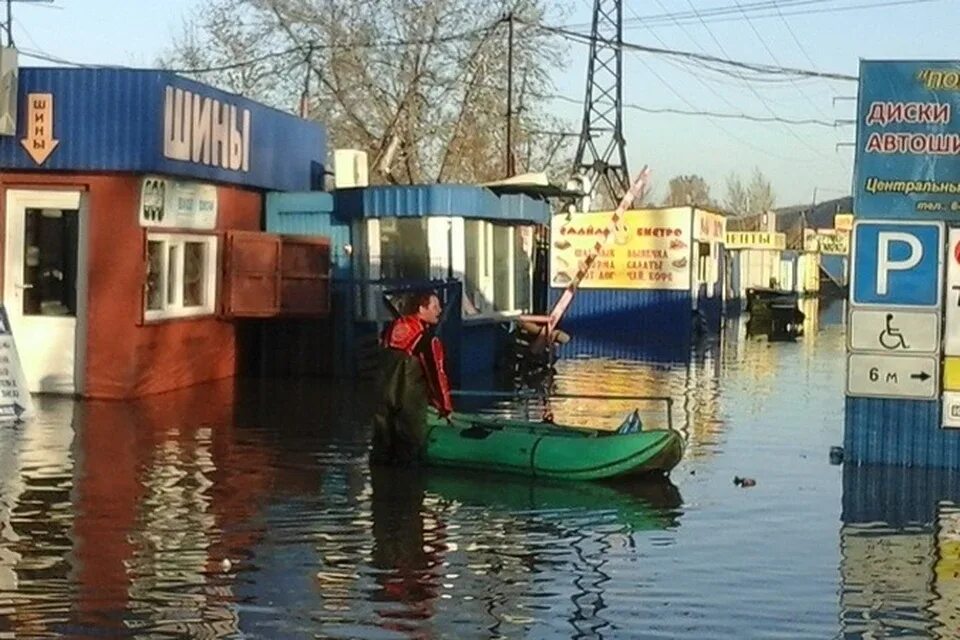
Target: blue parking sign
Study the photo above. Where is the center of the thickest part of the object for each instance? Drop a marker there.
(897, 264)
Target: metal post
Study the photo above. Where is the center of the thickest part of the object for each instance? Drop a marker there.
(509, 164)
(9, 23)
(305, 97)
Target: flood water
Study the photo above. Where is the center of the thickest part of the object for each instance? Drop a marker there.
(247, 510)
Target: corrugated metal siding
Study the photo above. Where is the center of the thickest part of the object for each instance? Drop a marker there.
(628, 311)
(522, 207)
(310, 214)
(112, 120)
(446, 200)
(674, 348)
(897, 496)
(899, 432)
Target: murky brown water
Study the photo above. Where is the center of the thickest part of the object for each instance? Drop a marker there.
(247, 510)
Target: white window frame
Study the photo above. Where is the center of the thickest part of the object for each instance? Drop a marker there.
(175, 309)
(485, 277)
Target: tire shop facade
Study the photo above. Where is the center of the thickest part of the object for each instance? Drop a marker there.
(132, 254)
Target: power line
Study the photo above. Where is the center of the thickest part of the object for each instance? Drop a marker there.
(707, 113)
(825, 10)
(776, 60)
(719, 11)
(753, 89)
(683, 98)
(704, 57)
(758, 10)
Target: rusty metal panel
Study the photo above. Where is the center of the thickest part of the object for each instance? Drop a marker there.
(252, 276)
(305, 276)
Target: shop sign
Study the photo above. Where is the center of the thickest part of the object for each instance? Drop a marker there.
(756, 240)
(709, 227)
(204, 130)
(649, 250)
(833, 242)
(843, 222)
(176, 204)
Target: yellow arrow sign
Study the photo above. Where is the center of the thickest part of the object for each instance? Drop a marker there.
(39, 142)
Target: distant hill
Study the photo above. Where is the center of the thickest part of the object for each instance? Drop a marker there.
(819, 217)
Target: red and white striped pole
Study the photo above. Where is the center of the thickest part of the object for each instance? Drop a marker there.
(636, 190)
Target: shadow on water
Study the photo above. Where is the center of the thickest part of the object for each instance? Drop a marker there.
(900, 553)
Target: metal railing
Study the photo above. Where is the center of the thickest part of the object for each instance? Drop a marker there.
(527, 395)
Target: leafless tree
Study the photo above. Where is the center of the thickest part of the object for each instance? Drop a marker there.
(418, 84)
(688, 190)
(747, 199)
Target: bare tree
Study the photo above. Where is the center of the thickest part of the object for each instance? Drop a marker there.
(753, 198)
(420, 86)
(688, 190)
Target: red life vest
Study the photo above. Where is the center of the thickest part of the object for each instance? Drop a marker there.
(405, 334)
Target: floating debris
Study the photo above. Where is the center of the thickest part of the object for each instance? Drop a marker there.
(836, 455)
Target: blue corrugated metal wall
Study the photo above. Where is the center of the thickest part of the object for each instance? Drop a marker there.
(897, 496)
(628, 311)
(653, 325)
(311, 214)
(113, 120)
(447, 200)
(595, 343)
(899, 432)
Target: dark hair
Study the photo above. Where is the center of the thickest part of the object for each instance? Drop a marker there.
(420, 299)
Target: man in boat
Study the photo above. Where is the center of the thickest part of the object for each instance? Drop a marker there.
(412, 378)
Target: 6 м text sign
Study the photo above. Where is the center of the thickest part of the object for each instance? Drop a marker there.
(880, 376)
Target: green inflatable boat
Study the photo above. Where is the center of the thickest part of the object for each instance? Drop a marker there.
(548, 450)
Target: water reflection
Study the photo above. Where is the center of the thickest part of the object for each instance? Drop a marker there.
(116, 519)
(900, 549)
(36, 517)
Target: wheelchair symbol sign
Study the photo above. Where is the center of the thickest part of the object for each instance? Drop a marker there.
(894, 331)
(891, 338)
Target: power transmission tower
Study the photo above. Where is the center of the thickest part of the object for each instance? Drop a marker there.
(601, 155)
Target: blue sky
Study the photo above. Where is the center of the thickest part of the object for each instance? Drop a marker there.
(798, 159)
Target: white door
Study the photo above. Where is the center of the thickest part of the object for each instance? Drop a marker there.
(43, 285)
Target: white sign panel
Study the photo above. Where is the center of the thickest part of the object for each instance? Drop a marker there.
(951, 409)
(173, 204)
(881, 376)
(15, 401)
(894, 331)
(951, 324)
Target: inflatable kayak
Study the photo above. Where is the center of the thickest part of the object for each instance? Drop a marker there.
(548, 450)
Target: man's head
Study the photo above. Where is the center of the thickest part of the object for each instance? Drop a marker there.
(427, 307)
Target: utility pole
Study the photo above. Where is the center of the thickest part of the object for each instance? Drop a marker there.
(601, 154)
(305, 96)
(509, 164)
(9, 25)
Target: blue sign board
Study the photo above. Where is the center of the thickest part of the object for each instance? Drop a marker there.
(149, 121)
(897, 264)
(908, 140)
